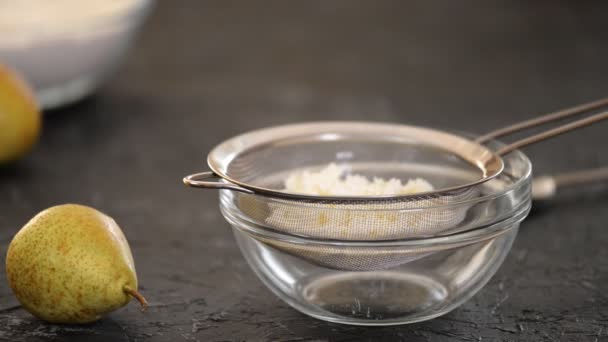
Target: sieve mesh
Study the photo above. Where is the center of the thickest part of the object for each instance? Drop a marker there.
(362, 221)
(356, 221)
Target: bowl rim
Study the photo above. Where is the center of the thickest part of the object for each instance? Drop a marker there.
(116, 23)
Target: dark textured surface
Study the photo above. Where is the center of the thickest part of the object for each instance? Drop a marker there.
(204, 71)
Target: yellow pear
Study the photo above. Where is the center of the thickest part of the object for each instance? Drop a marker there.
(20, 117)
(71, 264)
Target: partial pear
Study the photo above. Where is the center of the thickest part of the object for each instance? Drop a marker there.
(71, 264)
(20, 117)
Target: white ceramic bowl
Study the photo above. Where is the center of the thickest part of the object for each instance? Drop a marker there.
(65, 49)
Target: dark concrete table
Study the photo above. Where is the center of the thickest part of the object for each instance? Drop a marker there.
(204, 71)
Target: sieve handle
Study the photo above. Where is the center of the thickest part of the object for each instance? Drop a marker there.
(553, 132)
(209, 180)
(564, 113)
(545, 187)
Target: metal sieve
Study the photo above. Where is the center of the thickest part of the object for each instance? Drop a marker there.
(255, 165)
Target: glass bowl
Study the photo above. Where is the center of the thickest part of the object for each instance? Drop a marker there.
(65, 49)
(387, 281)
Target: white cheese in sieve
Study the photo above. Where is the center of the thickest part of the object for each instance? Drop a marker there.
(354, 220)
(333, 180)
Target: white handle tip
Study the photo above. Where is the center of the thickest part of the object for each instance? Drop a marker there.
(543, 188)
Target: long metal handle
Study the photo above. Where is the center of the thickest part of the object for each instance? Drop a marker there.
(552, 133)
(545, 187)
(542, 119)
(581, 177)
(202, 180)
(580, 109)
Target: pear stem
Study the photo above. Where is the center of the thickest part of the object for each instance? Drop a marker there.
(141, 299)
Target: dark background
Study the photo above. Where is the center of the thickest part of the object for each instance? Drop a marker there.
(203, 71)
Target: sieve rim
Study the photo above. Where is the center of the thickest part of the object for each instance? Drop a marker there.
(219, 158)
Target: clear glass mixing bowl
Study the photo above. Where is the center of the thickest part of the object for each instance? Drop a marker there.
(385, 282)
